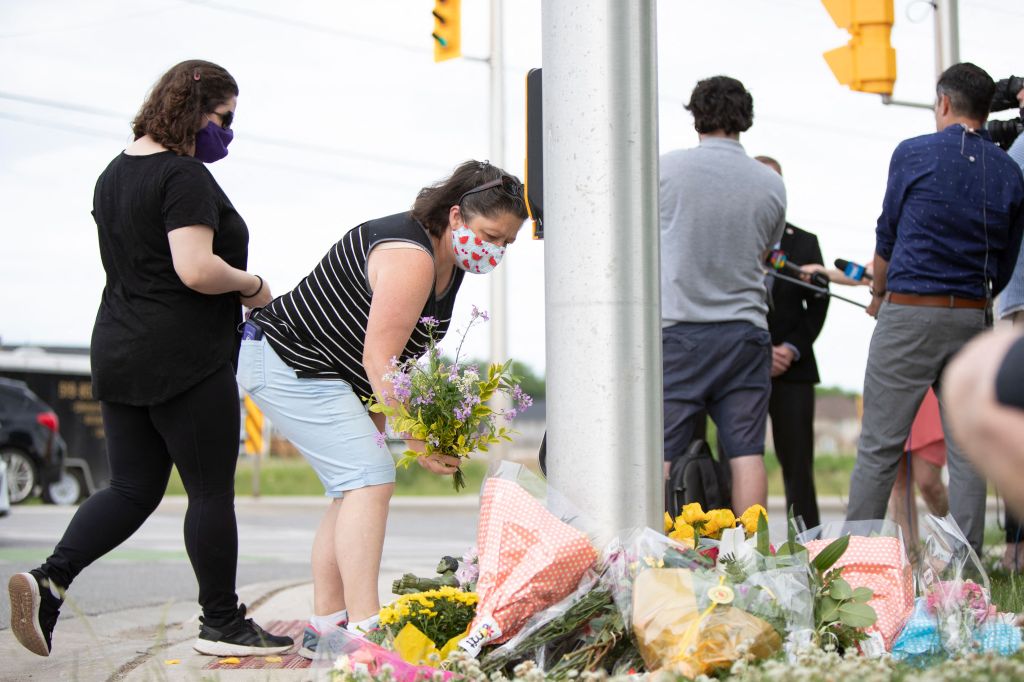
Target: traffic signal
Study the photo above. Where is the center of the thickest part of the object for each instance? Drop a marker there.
(868, 62)
(447, 30)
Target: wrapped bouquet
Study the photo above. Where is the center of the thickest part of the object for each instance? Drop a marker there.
(444, 404)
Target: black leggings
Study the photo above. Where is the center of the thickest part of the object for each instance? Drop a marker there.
(198, 432)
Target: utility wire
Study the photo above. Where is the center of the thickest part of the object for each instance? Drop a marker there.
(105, 22)
(80, 130)
(992, 8)
(272, 141)
(277, 165)
(279, 20)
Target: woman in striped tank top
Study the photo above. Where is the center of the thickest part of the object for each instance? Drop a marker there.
(311, 357)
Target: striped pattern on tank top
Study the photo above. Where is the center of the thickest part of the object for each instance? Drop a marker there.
(319, 327)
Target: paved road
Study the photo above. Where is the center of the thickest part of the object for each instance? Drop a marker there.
(275, 537)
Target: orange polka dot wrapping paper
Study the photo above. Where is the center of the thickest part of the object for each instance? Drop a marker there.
(878, 563)
(528, 558)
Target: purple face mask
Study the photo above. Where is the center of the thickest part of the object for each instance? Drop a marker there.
(212, 143)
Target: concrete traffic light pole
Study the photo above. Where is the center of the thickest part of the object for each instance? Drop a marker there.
(601, 259)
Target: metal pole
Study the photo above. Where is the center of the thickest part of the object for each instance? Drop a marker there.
(947, 35)
(498, 278)
(601, 262)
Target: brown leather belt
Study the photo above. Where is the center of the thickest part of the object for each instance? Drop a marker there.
(935, 301)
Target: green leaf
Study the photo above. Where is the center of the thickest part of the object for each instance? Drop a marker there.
(831, 554)
(763, 544)
(863, 594)
(791, 533)
(829, 609)
(840, 590)
(857, 615)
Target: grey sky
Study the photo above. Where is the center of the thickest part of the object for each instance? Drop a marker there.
(343, 115)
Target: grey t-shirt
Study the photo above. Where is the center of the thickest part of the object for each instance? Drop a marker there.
(720, 211)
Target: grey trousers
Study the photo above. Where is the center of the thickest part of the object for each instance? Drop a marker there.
(909, 349)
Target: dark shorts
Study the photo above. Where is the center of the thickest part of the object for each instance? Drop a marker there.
(723, 368)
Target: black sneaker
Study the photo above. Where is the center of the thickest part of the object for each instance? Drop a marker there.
(34, 610)
(240, 637)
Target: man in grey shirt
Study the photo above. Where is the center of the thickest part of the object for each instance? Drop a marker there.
(721, 212)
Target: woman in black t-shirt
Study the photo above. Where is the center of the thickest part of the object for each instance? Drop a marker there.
(163, 351)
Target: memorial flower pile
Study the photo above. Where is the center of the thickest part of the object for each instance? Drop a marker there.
(708, 597)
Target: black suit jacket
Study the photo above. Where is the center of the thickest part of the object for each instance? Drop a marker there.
(798, 314)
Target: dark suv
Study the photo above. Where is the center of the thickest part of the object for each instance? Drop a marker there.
(30, 441)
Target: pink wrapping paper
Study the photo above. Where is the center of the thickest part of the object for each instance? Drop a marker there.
(529, 560)
(358, 654)
(880, 564)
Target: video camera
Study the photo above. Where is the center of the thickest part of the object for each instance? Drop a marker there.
(1003, 133)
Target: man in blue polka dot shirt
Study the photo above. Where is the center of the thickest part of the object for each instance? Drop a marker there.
(945, 245)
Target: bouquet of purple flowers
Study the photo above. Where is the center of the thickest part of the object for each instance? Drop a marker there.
(444, 404)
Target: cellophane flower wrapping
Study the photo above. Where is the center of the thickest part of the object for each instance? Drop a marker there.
(875, 559)
(528, 559)
(956, 596)
(920, 641)
(347, 652)
(685, 623)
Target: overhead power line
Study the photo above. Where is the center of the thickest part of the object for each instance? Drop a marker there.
(281, 20)
(251, 161)
(262, 139)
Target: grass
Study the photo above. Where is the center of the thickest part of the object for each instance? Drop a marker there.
(831, 474)
(293, 476)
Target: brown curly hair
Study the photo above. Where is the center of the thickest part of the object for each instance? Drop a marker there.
(174, 109)
(433, 203)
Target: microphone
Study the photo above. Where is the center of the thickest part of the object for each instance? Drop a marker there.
(778, 260)
(854, 271)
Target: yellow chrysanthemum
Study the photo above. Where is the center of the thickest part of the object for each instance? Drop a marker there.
(682, 532)
(718, 519)
(692, 513)
(750, 517)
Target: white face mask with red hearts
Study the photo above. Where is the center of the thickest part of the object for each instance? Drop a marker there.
(473, 254)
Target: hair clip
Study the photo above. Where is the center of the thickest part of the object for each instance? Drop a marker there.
(196, 76)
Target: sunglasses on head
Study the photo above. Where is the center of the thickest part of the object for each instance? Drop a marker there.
(508, 184)
(226, 118)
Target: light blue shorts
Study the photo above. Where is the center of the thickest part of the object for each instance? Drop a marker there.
(323, 418)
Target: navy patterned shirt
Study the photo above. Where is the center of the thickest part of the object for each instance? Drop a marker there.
(953, 215)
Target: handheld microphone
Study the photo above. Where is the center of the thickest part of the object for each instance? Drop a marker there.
(854, 271)
(778, 260)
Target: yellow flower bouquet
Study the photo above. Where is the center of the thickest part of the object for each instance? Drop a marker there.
(424, 627)
(693, 523)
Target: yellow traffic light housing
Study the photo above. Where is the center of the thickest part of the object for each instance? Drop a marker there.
(868, 62)
(447, 30)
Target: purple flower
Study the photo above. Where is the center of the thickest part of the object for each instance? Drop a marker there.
(380, 439)
(429, 321)
(482, 314)
(522, 398)
(462, 413)
(467, 573)
(510, 414)
(425, 399)
(402, 384)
